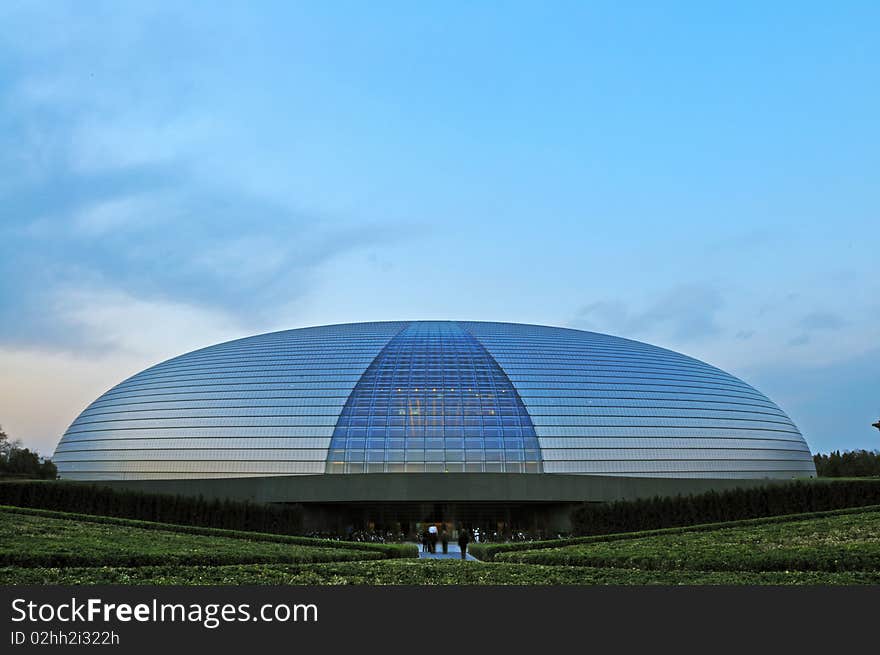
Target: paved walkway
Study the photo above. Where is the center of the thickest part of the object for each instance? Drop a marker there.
(454, 553)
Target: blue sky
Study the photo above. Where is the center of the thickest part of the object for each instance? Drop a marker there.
(701, 176)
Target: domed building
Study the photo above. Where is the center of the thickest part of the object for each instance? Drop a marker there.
(396, 420)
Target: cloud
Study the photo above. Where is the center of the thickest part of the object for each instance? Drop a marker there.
(228, 253)
(118, 214)
(747, 241)
(780, 302)
(833, 404)
(116, 322)
(137, 139)
(822, 321)
(684, 313)
(816, 321)
(120, 178)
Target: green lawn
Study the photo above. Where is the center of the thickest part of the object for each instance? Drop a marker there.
(489, 551)
(849, 542)
(28, 540)
(416, 572)
(53, 548)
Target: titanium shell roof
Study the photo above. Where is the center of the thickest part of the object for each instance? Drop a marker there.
(432, 396)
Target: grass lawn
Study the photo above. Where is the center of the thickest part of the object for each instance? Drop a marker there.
(52, 548)
(32, 540)
(849, 542)
(416, 572)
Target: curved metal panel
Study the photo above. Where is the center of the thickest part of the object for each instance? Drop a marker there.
(564, 401)
(660, 412)
(260, 406)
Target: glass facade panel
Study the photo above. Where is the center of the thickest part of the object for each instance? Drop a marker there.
(437, 382)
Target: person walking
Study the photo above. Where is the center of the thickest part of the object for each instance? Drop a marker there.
(444, 539)
(432, 535)
(463, 538)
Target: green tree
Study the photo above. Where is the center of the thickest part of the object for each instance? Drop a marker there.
(851, 463)
(6, 446)
(21, 462)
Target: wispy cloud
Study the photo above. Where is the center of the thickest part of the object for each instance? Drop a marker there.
(131, 214)
(112, 321)
(220, 250)
(747, 241)
(833, 403)
(822, 321)
(684, 313)
(119, 185)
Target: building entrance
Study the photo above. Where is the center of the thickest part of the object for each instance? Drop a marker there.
(406, 521)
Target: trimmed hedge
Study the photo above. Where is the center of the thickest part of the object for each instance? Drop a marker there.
(489, 552)
(409, 572)
(731, 505)
(389, 551)
(163, 508)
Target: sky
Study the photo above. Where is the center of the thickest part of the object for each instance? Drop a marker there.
(701, 176)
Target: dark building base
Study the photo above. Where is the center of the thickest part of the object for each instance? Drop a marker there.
(495, 520)
(508, 502)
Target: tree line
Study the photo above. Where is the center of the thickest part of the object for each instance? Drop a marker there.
(18, 462)
(848, 464)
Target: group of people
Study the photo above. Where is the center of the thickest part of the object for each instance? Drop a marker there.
(432, 535)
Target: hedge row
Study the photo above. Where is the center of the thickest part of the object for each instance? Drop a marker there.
(163, 508)
(731, 505)
(389, 551)
(489, 552)
(866, 558)
(403, 572)
(301, 555)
